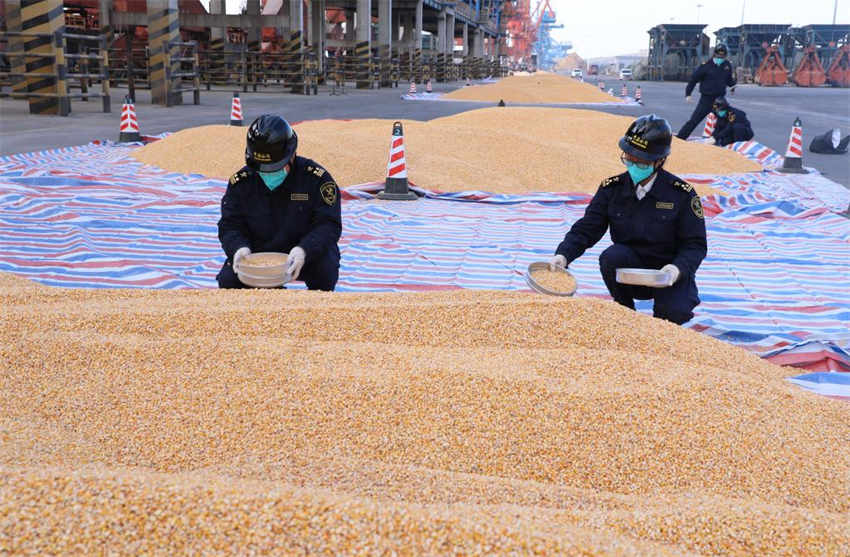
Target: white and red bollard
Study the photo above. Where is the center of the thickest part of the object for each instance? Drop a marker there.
(793, 163)
(601, 85)
(638, 95)
(428, 87)
(710, 123)
(236, 110)
(624, 92)
(129, 129)
(395, 185)
(412, 89)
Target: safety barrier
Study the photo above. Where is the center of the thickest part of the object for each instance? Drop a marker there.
(45, 77)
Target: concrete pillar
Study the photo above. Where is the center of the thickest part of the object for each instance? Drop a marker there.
(396, 35)
(440, 35)
(253, 33)
(16, 44)
(417, 32)
(296, 17)
(450, 33)
(217, 39)
(317, 30)
(385, 22)
(363, 48)
(478, 45)
(163, 28)
(349, 25)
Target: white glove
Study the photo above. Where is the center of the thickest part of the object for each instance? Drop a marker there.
(673, 271)
(294, 262)
(688, 99)
(557, 261)
(710, 140)
(240, 253)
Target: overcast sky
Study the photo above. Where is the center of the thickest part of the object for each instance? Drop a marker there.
(610, 27)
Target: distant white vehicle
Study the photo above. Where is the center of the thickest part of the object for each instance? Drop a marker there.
(576, 72)
(626, 73)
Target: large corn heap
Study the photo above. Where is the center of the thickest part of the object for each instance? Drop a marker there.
(479, 422)
(505, 150)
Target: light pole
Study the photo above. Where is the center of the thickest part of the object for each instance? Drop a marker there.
(834, 11)
(699, 6)
(743, 6)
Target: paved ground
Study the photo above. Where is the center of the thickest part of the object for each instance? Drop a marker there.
(771, 110)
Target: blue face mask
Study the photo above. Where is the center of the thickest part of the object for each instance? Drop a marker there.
(274, 179)
(639, 173)
(721, 113)
(719, 61)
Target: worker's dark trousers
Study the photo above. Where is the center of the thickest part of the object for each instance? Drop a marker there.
(740, 132)
(706, 102)
(319, 274)
(674, 303)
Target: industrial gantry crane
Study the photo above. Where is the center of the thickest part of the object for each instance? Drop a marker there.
(528, 43)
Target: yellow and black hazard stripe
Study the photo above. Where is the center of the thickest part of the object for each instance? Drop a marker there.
(293, 50)
(362, 52)
(163, 28)
(49, 93)
(417, 65)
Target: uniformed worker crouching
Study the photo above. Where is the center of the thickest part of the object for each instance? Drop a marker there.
(656, 222)
(732, 124)
(283, 203)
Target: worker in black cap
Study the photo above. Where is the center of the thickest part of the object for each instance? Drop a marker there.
(713, 78)
(732, 124)
(656, 222)
(281, 202)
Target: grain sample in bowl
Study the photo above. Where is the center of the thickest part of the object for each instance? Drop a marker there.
(555, 281)
(264, 259)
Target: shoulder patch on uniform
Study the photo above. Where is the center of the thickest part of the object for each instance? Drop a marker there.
(238, 176)
(613, 180)
(315, 170)
(329, 191)
(696, 207)
(683, 185)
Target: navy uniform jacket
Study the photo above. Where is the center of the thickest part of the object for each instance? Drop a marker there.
(303, 211)
(713, 79)
(723, 126)
(666, 226)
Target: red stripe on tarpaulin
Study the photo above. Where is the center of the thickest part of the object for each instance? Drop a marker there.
(822, 360)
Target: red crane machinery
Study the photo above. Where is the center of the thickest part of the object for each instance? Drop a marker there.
(839, 71)
(522, 25)
(771, 71)
(809, 72)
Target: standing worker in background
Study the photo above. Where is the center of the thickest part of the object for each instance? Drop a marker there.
(732, 124)
(713, 76)
(656, 222)
(284, 203)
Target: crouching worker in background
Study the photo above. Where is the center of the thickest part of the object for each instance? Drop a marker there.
(656, 222)
(281, 202)
(732, 124)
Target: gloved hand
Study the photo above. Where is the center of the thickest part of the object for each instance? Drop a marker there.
(688, 99)
(673, 271)
(294, 262)
(557, 261)
(710, 140)
(240, 253)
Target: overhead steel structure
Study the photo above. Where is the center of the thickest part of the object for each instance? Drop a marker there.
(676, 50)
(748, 43)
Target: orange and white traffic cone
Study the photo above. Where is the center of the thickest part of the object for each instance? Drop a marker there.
(793, 163)
(468, 82)
(129, 128)
(412, 89)
(638, 96)
(395, 185)
(428, 87)
(710, 124)
(236, 110)
(601, 85)
(625, 91)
